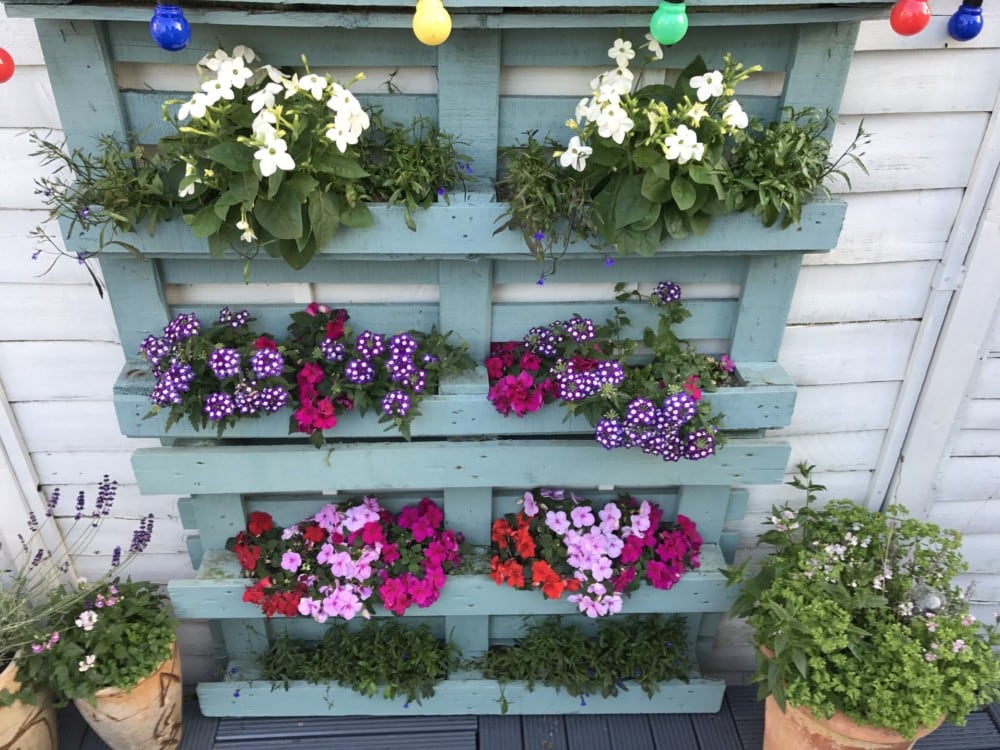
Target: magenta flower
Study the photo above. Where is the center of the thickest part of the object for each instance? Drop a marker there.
(291, 561)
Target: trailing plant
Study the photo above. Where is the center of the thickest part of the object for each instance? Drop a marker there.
(561, 543)
(382, 657)
(225, 372)
(631, 650)
(857, 611)
(258, 159)
(652, 161)
(36, 590)
(116, 636)
(650, 400)
(330, 563)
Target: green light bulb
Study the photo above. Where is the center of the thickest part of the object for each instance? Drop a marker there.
(669, 23)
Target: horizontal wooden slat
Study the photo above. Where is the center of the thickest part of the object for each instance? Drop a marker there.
(848, 352)
(27, 101)
(878, 35)
(485, 463)
(36, 370)
(452, 696)
(977, 443)
(217, 592)
(980, 414)
(60, 322)
(70, 425)
(842, 407)
(986, 380)
(968, 478)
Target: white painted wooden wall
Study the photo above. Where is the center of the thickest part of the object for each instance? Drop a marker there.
(862, 329)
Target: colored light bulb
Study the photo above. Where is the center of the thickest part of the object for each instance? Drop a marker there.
(431, 22)
(669, 23)
(909, 17)
(967, 21)
(169, 28)
(6, 65)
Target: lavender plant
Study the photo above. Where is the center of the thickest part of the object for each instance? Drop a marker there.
(36, 591)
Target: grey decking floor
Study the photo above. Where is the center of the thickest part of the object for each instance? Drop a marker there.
(738, 726)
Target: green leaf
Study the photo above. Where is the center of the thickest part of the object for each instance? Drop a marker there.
(607, 153)
(655, 188)
(303, 186)
(700, 222)
(630, 205)
(232, 155)
(360, 216)
(342, 166)
(324, 217)
(281, 217)
(204, 223)
(684, 193)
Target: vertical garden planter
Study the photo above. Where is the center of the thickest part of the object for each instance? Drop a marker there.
(453, 272)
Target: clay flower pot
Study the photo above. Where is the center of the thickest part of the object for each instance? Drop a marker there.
(23, 726)
(148, 716)
(797, 727)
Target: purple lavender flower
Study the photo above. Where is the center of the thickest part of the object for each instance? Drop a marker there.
(154, 349)
(679, 408)
(116, 556)
(107, 490)
(267, 363)
(218, 406)
(332, 350)
(609, 433)
(81, 501)
(396, 404)
(225, 363)
(699, 444)
(184, 326)
(667, 291)
(641, 412)
(359, 371)
(580, 329)
(369, 345)
(142, 535)
(50, 506)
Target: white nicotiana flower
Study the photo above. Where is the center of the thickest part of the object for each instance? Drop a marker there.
(340, 133)
(587, 109)
(575, 154)
(683, 146)
(248, 234)
(275, 75)
(618, 80)
(248, 55)
(264, 98)
(189, 171)
(217, 89)
(195, 107)
(215, 60)
(357, 120)
(697, 113)
(273, 155)
(615, 125)
(621, 52)
(708, 85)
(654, 46)
(734, 116)
(341, 99)
(235, 73)
(265, 125)
(86, 663)
(87, 620)
(314, 84)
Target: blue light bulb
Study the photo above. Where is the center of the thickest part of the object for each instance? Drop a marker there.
(967, 21)
(169, 28)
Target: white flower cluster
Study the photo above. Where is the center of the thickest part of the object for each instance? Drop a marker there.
(269, 103)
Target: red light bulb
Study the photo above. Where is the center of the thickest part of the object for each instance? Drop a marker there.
(6, 65)
(909, 17)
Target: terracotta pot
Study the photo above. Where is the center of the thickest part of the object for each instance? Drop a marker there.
(23, 726)
(148, 716)
(797, 727)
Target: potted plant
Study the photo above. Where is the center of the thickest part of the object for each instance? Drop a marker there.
(856, 621)
(258, 159)
(115, 656)
(650, 161)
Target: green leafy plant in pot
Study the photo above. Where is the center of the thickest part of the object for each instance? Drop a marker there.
(855, 616)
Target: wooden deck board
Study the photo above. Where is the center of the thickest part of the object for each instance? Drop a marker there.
(738, 726)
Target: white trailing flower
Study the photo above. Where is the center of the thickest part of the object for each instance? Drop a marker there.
(244, 226)
(86, 663)
(273, 155)
(87, 620)
(708, 85)
(575, 155)
(682, 146)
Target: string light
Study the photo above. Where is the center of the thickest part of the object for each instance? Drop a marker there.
(169, 28)
(6, 65)
(431, 22)
(909, 17)
(669, 23)
(967, 21)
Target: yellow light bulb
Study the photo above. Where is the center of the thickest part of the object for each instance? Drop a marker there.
(431, 22)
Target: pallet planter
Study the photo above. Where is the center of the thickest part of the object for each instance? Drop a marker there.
(108, 77)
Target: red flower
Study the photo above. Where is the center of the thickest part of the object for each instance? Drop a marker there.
(691, 386)
(265, 343)
(247, 556)
(501, 530)
(313, 308)
(335, 327)
(314, 534)
(260, 523)
(324, 418)
(525, 544)
(510, 571)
